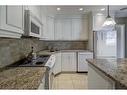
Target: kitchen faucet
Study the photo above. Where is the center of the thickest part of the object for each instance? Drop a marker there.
(29, 56)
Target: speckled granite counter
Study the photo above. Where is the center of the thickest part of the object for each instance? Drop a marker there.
(116, 69)
(47, 52)
(21, 77)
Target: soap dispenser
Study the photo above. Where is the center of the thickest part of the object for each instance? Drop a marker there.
(34, 56)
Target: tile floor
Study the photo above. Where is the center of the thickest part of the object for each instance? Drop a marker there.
(70, 81)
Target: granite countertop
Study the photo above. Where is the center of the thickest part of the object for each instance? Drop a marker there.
(21, 77)
(47, 52)
(116, 69)
(75, 51)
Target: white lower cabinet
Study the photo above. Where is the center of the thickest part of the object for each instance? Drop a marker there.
(97, 80)
(82, 63)
(65, 62)
(68, 62)
(71, 62)
(57, 66)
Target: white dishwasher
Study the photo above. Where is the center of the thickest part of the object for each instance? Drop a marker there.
(82, 63)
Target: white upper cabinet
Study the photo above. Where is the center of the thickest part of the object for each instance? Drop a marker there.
(71, 29)
(11, 21)
(58, 29)
(50, 28)
(79, 29)
(66, 29)
(44, 24)
(84, 29)
(76, 29)
(36, 10)
(12, 18)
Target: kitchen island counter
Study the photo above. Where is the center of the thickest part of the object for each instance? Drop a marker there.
(115, 69)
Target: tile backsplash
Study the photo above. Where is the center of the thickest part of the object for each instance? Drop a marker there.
(12, 50)
(67, 45)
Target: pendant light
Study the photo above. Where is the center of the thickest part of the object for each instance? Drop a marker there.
(109, 22)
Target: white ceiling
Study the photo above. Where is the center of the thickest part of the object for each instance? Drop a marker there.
(86, 9)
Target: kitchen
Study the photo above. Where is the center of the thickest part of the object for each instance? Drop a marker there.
(62, 47)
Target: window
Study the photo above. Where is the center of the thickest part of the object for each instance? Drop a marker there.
(111, 38)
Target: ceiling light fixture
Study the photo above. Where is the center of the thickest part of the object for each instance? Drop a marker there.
(109, 22)
(58, 9)
(81, 9)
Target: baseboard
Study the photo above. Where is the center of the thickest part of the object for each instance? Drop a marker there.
(57, 74)
(68, 72)
(83, 72)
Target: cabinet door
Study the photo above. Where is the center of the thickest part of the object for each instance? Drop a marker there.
(76, 29)
(68, 62)
(65, 62)
(57, 66)
(82, 64)
(11, 20)
(79, 29)
(58, 29)
(50, 28)
(66, 31)
(36, 10)
(73, 61)
(14, 16)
